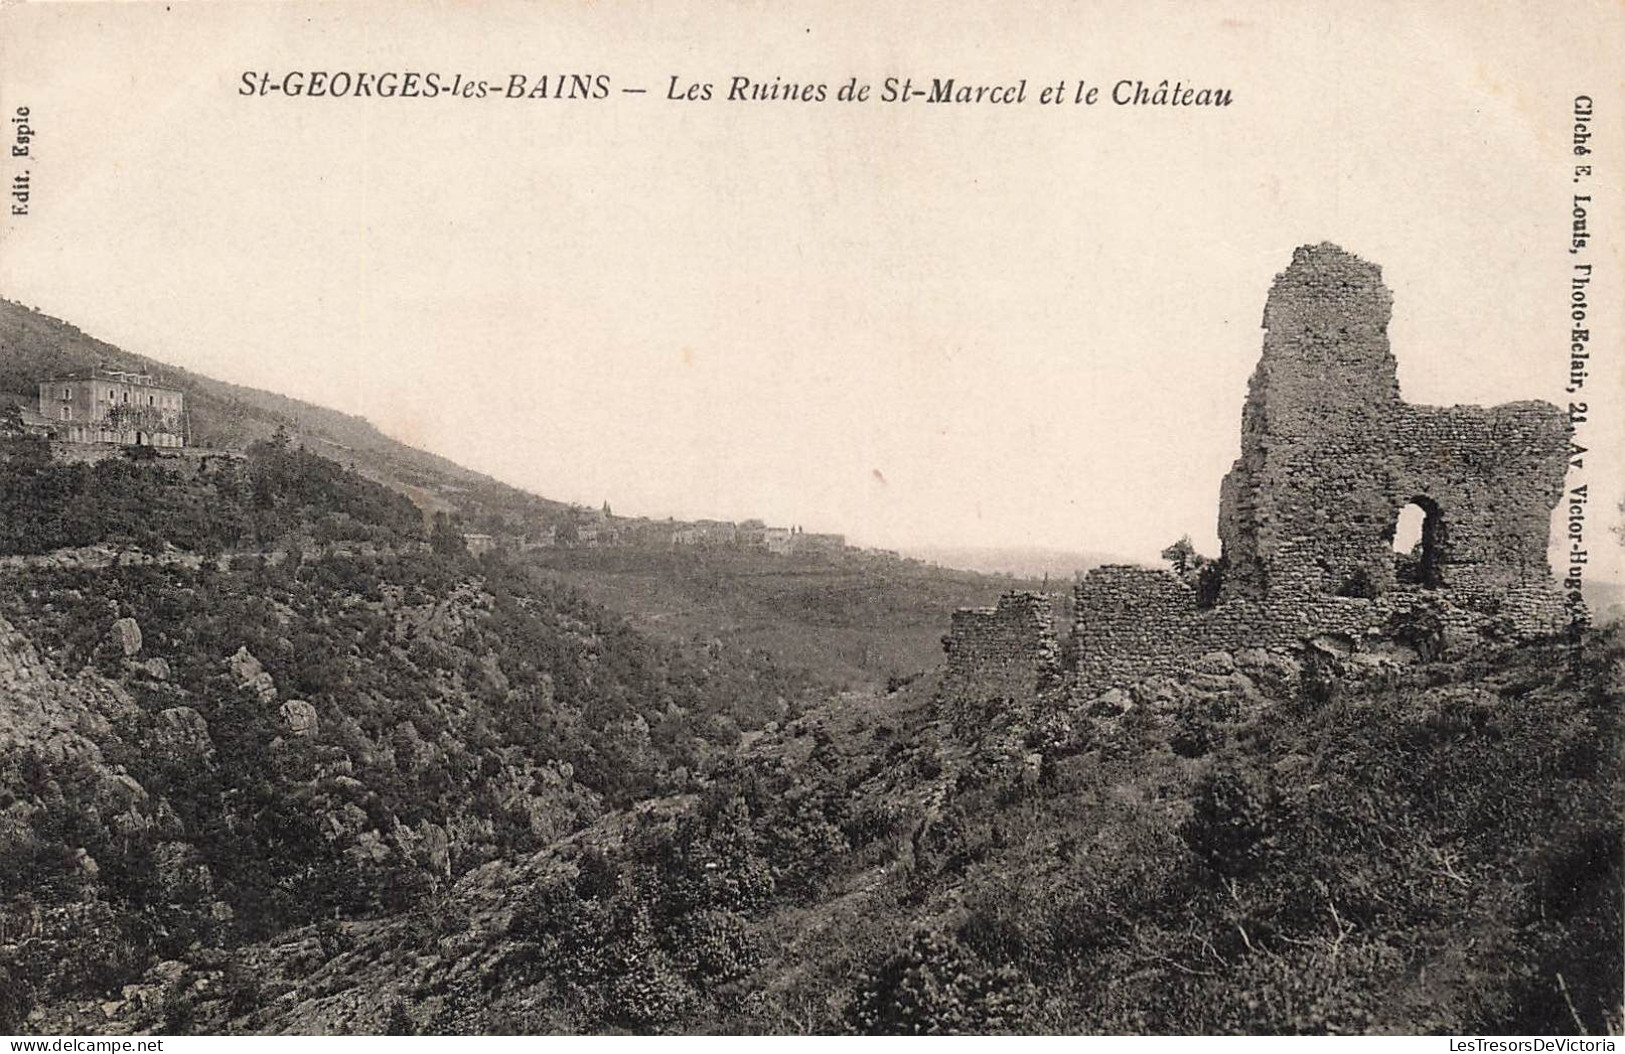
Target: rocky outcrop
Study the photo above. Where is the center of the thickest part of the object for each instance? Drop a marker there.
(298, 717)
(44, 710)
(126, 636)
(181, 734)
(249, 674)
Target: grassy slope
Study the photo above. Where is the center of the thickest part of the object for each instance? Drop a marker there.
(855, 622)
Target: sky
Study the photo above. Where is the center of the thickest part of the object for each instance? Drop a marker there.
(918, 325)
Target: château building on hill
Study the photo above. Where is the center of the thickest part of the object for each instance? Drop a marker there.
(101, 405)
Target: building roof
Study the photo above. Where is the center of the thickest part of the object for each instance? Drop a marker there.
(103, 373)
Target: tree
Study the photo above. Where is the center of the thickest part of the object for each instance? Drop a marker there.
(445, 538)
(11, 422)
(1182, 554)
(16, 1000)
(400, 1022)
(1199, 572)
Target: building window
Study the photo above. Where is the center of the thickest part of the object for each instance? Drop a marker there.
(151, 401)
(109, 395)
(126, 396)
(66, 413)
(67, 393)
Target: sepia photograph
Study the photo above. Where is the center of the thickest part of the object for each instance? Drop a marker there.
(838, 519)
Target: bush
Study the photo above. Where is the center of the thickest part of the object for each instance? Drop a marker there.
(937, 987)
(1236, 816)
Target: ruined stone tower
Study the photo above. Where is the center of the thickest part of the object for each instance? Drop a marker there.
(1330, 455)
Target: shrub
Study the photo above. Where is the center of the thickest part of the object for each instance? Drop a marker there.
(1235, 819)
(937, 987)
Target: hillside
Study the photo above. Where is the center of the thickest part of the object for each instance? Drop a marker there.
(855, 622)
(275, 757)
(210, 737)
(849, 618)
(34, 346)
(1268, 849)
(1060, 566)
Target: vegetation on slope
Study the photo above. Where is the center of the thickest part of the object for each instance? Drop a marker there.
(1429, 848)
(465, 711)
(215, 505)
(851, 620)
(854, 622)
(515, 811)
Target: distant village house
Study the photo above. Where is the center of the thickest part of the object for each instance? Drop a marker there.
(811, 542)
(754, 534)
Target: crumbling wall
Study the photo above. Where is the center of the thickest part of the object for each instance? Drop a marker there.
(1495, 476)
(1000, 656)
(1331, 455)
(1136, 622)
(85, 453)
(1131, 622)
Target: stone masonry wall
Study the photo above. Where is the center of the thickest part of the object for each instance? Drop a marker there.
(1000, 656)
(1330, 456)
(1136, 622)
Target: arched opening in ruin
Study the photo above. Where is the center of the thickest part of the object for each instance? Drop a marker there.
(1418, 534)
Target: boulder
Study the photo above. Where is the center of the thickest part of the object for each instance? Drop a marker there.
(157, 669)
(244, 666)
(1332, 645)
(126, 634)
(1111, 703)
(1218, 663)
(249, 673)
(167, 972)
(369, 847)
(1275, 674)
(181, 731)
(299, 717)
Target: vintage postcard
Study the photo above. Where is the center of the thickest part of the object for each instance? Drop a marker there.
(812, 519)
